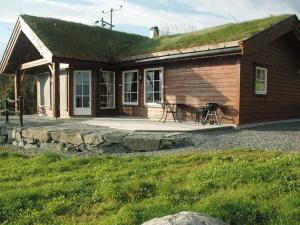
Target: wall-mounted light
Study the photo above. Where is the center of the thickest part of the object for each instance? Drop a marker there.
(140, 77)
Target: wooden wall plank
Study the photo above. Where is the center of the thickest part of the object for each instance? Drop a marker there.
(283, 98)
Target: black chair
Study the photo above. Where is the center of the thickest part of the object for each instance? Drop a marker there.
(212, 112)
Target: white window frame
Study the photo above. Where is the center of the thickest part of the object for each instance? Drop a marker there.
(266, 80)
(123, 89)
(114, 105)
(153, 104)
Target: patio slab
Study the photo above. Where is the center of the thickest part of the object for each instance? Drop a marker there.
(147, 125)
(97, 135)
(120, 123)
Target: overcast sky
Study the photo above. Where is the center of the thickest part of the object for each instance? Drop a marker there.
(138, 15)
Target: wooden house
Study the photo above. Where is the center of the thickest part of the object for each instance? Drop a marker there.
(251, 69)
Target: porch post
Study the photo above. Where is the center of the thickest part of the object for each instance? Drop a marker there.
(56, 91)
(19, 76)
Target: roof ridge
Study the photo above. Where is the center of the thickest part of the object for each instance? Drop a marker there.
(80, 23)
(67, 39)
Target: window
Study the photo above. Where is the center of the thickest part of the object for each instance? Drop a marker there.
(130, 87)
(107, 90)
(261, 81)
(153, 86)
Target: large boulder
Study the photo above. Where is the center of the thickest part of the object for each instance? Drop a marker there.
(96, 138)
(42, 135)
(142, 142)
(114, 137)
(67, 136)
(186, 218)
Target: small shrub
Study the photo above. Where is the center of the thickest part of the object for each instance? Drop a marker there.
(10, 155)
(49, 157)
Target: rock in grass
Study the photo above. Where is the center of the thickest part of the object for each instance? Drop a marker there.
(186, 218)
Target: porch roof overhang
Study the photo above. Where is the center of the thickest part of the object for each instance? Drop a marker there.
(24, 50)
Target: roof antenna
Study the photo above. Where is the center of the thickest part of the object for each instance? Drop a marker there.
(232, 16)
(110, 24)
(20, 10)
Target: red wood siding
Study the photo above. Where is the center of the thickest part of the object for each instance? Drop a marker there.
(283, 86)
(193, 83)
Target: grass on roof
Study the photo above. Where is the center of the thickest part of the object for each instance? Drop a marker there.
(214, 35)
(74, 40)
(79, 41)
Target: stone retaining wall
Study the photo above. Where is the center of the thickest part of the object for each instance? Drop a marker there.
(90, 140)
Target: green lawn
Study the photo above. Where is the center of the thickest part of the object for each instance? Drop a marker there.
(240, 187)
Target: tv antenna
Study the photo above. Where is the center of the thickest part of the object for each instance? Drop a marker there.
(105, 23)
(233, 17)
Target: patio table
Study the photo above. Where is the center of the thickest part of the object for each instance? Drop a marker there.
(170, 108)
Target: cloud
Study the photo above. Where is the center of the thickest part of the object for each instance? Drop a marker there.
(138, 13)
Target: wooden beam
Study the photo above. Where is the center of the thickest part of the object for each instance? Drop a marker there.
(56, 90)
(51, 69)
(35, 63)
(19, 77)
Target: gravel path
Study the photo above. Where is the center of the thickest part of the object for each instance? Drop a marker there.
(283, 136)
(280, 137)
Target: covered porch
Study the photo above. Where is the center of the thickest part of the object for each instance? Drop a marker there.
(65, 87)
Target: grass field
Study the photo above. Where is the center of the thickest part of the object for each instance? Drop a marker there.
(240, 187)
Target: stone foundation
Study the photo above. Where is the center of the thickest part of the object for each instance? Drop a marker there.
(88, 140)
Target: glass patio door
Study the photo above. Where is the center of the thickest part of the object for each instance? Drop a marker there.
(82, 93)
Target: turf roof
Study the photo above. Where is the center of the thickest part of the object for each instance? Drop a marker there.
(79, 41)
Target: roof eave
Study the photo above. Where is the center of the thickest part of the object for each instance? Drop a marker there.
(236, 50)
(252, 43)
(22, 26)
(9, 46)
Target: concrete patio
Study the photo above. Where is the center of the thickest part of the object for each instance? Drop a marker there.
(97, 135)
(120, 123)
(147, 125)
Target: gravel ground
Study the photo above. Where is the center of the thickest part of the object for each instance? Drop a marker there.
(283, 136)
(272, 137)
(276, 137)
